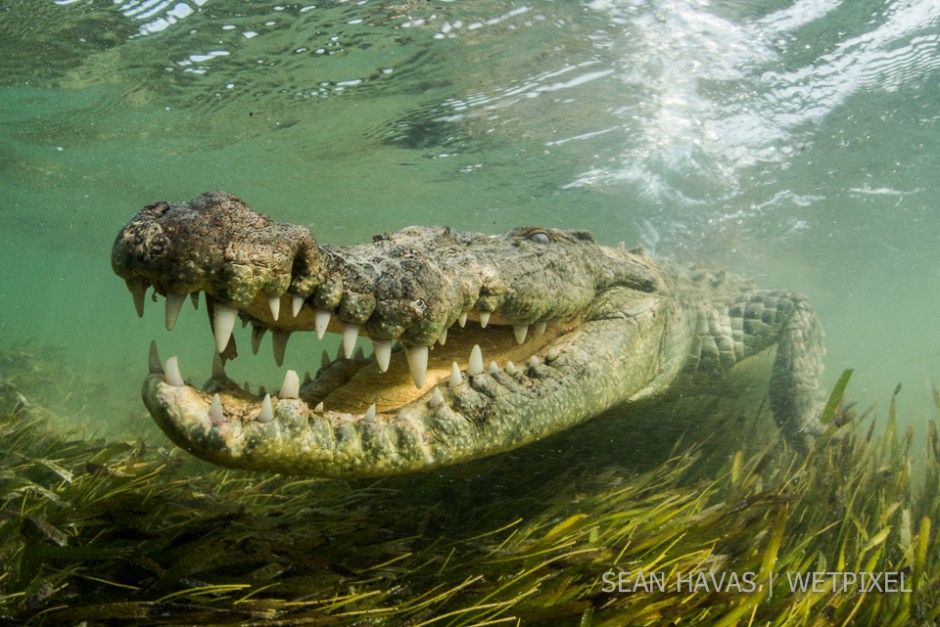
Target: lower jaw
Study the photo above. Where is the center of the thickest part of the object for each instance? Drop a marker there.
(427, 431)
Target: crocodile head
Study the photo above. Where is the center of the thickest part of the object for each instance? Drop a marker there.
(481, 343)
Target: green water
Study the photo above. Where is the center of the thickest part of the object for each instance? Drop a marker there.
(797, 143)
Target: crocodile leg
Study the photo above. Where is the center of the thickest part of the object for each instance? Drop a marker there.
(753, 322)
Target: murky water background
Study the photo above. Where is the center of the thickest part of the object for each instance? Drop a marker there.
(796, 142)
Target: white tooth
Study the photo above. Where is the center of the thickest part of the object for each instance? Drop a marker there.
(539, 328)
(153, 360)
(296, 302)
(443, 338)
(319, 408)
(274, 302)
(350, 335)
(139, 291)
(215, 410)
(455, 377)
(321, 320)
(370, 413)
(140, 297)
(279, 339)
(383, 353)
(484, 319)
(494, 367)
(291, 386)
(267, 412)
(552, 355)
(172, 372)
(417, 363)
(533, 362)
(437, 399)
(174, 303)
(257, 334)
(511, 368)
(475, 365)
(521, 330)
(462, 319)
(223, 323)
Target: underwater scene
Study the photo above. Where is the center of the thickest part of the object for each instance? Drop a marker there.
(661, 350)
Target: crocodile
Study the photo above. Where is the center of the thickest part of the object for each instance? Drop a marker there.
(570, 329)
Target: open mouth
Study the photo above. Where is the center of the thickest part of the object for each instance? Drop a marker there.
(353, 384)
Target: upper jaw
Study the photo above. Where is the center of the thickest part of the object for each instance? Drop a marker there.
(409, 287)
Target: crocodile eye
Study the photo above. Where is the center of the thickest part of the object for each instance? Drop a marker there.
(539, 237)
